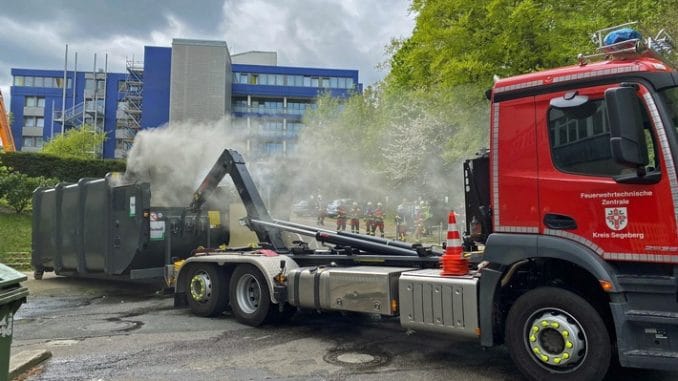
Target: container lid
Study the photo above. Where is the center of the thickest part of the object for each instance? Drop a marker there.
(10, 277)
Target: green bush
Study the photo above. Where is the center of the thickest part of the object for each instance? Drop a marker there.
(17, 188)
(65, 169)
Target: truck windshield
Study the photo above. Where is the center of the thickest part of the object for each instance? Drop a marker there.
(670, 98)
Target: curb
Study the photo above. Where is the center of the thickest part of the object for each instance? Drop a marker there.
(23, 361)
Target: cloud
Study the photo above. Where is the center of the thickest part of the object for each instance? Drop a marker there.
(348, 34)
(340, 34)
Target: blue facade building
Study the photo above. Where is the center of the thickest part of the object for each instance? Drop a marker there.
(37, 105)
(269, 99)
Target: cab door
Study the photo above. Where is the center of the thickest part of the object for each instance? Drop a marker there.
(579, 196)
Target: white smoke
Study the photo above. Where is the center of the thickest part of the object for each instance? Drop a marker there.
(176, 157)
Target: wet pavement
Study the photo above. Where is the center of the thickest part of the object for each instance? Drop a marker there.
(105, 330)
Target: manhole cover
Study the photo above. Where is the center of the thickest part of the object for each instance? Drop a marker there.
(361, 358)
(355, 358)
(119, 325)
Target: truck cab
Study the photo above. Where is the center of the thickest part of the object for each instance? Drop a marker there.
(582, 210)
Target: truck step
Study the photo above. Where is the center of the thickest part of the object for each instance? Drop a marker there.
(649, 316)
(650, 359)
(653, 353)
(648, 283)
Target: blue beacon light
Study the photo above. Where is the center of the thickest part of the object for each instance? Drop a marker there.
(621, 35)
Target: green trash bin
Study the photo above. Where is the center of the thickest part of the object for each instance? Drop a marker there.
(12, 296)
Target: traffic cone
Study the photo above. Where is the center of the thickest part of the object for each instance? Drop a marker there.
(453, 261)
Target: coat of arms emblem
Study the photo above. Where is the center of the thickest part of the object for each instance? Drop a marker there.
(616, 218)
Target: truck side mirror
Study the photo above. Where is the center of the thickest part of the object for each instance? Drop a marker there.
(627, 138)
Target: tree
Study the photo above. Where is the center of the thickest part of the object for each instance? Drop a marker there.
(4, 172)
(17, 188)
(394, 144)
(458, 42)
(79, 143)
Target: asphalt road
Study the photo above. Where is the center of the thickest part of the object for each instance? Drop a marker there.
(105, 330)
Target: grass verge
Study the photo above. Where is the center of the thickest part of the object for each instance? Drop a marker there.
(15, 233)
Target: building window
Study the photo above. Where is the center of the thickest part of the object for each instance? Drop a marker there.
(297, 108)
(34, 121)
(239, 104)
(273, 148)
(267, 106)
(35, 102)
(47, 82)
(33, 141)
(293, 80)
(240, 78)
(293, 129)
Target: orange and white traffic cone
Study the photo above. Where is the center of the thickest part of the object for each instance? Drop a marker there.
(453, 262)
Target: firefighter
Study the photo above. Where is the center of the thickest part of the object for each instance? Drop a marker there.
(418, 225)
(354, 214)
(401, 221)
(378, 220)
(369, 215)
(425, 210)
(341, 217)
(320, 210)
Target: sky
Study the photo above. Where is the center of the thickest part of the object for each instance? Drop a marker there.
(342, 34)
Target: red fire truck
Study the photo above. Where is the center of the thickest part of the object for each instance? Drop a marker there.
(572, 227)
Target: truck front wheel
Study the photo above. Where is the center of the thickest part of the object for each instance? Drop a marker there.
(554, 334)
(250, 297)
(206, 289)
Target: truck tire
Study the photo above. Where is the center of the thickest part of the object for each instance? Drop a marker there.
(206, 289)
(554, 334)
(250, 297)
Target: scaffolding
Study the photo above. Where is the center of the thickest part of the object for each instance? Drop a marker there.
(129, 123)
(91, 111)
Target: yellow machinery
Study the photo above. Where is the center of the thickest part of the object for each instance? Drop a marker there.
(5, 130)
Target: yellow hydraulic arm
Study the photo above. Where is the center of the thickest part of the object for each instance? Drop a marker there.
(5, 129)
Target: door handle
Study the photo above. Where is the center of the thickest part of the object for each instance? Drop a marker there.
(559, 222)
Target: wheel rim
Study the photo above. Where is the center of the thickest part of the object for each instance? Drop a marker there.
(201, 287)
(556, 340)
(248, 293)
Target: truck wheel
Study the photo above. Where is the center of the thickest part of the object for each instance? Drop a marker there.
(250, 297)
(206, 290)
(554, 334)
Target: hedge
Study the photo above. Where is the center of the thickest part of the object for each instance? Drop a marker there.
(38, 164)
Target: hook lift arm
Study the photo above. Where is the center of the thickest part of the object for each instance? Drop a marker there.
(232, 163)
